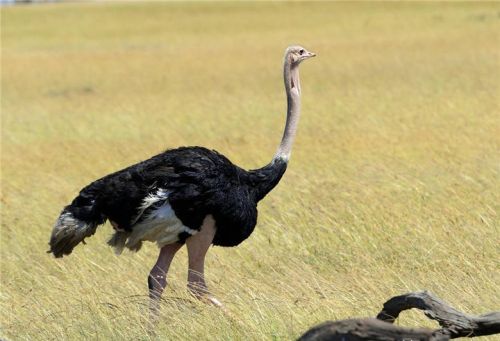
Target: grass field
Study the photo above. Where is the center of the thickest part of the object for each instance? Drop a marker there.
(393, 186)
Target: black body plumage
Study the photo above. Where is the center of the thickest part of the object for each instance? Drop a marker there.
(199, 182)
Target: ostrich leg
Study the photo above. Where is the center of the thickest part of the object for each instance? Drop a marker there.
(197, 247)
(157, 279)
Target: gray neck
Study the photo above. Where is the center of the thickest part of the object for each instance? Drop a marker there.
(292, 87)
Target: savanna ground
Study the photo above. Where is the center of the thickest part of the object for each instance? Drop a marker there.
(393, 186)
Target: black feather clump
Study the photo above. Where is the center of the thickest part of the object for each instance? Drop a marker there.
(199, 182)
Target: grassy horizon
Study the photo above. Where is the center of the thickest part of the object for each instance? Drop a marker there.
(393, 185)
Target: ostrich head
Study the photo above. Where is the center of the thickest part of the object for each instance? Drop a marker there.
(296, 54)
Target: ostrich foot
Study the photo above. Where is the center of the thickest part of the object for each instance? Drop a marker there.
(199, 289)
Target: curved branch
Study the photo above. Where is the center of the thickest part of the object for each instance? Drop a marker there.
(453, 322)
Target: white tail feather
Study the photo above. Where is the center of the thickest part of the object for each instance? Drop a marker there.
(67, 233)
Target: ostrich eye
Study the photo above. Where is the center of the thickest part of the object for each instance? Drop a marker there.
(301, 52)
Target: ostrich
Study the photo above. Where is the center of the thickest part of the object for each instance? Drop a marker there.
(189, 195)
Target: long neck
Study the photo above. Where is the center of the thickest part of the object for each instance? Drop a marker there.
(292, 87)
(266, 178)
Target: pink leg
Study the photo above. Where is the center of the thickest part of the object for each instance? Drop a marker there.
(197, 246)
(157, 279)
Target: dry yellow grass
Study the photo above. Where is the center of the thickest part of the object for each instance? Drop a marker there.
(394, 184)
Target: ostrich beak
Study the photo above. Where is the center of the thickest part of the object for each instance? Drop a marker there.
(309, 55)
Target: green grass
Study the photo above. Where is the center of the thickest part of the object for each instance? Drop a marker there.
(393, 186)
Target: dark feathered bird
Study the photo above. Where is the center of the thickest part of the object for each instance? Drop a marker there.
(189, 195)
